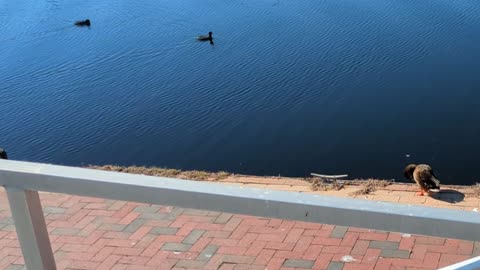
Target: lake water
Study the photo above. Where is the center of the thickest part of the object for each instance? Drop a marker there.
(362, 87)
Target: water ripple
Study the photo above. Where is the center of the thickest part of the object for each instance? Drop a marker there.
(289, 87)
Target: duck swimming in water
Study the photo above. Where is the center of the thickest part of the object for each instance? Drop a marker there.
(424, 177)
(206, 37)
(83, 23)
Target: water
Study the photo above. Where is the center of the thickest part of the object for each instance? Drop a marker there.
(289, 88)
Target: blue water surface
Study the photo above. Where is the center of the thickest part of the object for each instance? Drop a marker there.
(289, 87)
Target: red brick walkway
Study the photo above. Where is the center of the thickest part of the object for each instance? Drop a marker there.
(89, 233)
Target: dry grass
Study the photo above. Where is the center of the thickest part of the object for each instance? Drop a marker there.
(366, 186)
(162, 172)
(222, 175)
(195, 175)
(370, 185)
(476, 190)
(203, 176)
(324, 185)
(140, 170)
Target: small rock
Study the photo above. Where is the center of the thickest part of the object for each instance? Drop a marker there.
(348, 259)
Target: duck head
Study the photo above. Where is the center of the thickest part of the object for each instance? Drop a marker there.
(408, 171)
(210, 34)
(87, 22)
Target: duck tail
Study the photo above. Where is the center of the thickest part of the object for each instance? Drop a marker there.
(435, 183)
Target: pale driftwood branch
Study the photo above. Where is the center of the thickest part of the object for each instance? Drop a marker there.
(330, 176)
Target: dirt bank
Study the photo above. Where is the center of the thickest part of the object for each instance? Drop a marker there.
(351, 188)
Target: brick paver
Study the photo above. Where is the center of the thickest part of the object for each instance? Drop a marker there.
(91, 233)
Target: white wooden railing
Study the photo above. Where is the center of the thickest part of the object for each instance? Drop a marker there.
(23, 180)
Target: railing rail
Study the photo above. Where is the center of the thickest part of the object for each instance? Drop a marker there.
(23, 179)
(471, 264)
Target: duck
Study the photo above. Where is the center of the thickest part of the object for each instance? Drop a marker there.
(206, 37)
(83, 23)
(423, 175)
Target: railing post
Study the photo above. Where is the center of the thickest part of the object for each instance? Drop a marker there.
(31, 229)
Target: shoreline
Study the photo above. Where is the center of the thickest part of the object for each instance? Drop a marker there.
(376, 189)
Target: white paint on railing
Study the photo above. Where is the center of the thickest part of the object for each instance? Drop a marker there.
(471, 264)
(234, 199)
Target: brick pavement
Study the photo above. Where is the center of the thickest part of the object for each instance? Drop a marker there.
(91, 233)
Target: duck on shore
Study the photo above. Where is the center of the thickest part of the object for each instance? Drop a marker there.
(424, 177)
(83, 23)
(206, 37)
